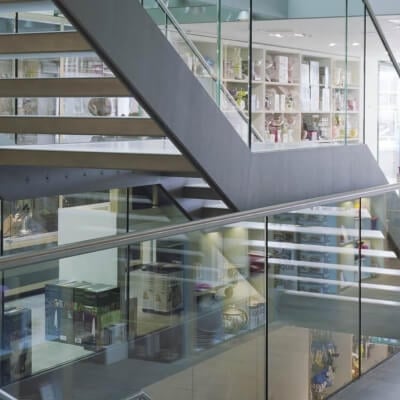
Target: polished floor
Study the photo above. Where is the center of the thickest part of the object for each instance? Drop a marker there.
(381, 383)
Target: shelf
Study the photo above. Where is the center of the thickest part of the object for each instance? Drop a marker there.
(242, 81)
(365, 233)
(334, 212)
(281, 84)
(346, 112)
(316, 112)
(322, 249)
(335, 267)
(348, 87)
(282, 112)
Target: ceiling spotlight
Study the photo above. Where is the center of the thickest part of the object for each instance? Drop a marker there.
(276, 35)
(355, 44)
(332, 44)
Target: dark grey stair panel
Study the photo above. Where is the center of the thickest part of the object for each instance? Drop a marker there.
(22, 183)
(152, 70)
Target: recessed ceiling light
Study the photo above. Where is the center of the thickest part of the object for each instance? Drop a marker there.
(355, 44)
(299, 35)
(332, 44)
(277, 35)
(394, 21)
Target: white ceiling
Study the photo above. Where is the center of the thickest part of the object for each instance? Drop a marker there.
(319, 33)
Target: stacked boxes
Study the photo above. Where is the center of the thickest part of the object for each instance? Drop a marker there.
(16, 357)
(83, 313)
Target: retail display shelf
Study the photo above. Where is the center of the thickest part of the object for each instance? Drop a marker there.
(281, 112)
(245, 81)
(322, 249)
(346, 112)
(342, 283)
(350, 87)
(365, 233)
(351, 299)
(282, 84)
(334, 211)
(336, 267)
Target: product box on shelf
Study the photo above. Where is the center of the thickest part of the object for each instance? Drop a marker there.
(78, 312)
(53, 305)
(162, 288)
(314, 73)
(67, 318)
(16, 355)
(324, 76)
(305, 75)
(101, 308)
(314, 98)
(282, 69)
(325, 100)
(305, 98)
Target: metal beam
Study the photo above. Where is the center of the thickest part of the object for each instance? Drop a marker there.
(22, 183)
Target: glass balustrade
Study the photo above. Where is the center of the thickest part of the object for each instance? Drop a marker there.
(224, 308)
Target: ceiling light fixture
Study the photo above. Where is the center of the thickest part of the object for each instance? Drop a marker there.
(300, 35)
(355, 44)
(394, 21)
(332, 44)
(276, 35)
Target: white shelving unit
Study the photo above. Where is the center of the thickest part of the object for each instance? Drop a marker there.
(296, 96)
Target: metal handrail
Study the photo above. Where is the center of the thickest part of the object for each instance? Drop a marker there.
(115, 241)
(382, 36)
(6, 396)
(204, 63)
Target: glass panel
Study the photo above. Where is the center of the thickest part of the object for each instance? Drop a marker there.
(187, 315)
(78, 317)
(380, 274)
(312, 301)
(203, 57)
(382, 132)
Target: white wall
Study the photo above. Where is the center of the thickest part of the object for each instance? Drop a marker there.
(82, 223)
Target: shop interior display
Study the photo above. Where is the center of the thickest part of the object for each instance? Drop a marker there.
(318, 237)
(296, 96)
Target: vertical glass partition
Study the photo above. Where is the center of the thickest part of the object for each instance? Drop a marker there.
(203, 55)
(380, 270)
(313, 302)
(382, 132)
